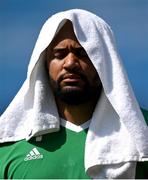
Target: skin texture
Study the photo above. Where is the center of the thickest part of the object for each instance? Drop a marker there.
(71, 71)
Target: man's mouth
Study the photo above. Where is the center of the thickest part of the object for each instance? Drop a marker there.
(71, 78)
(72, 81)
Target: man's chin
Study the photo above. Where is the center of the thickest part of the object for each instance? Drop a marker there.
(70, 95)
(76, 95)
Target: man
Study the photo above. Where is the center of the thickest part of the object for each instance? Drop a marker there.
(76, 115)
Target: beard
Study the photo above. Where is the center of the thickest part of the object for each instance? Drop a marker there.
(75, 95)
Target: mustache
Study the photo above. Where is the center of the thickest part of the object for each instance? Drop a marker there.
(72, 72)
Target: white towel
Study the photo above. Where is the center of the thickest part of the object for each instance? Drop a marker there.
(118, 135)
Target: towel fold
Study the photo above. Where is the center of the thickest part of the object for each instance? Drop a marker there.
(110, 145)
(118, 135)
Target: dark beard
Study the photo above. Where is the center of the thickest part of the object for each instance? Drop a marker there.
(74, 96)
(77, 97)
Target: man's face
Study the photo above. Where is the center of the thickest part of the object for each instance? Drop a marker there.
(73, 78)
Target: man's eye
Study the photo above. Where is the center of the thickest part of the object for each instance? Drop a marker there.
(81, 53)
(60, 55)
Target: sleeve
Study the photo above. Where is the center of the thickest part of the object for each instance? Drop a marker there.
(142, 170)
(142, 167)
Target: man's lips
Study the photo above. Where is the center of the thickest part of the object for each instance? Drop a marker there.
(71, 78)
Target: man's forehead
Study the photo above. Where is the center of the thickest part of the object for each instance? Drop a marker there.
(67, 43)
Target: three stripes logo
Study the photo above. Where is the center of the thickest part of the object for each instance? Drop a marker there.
(33, 154)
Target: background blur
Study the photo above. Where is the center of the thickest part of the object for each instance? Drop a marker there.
(21, 21)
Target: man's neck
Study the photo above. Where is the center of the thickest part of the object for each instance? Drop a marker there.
(78, 114)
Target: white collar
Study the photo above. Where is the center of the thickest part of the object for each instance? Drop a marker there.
(74, 127)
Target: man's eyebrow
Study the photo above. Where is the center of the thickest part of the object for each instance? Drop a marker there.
(66, 48)
(58, 49)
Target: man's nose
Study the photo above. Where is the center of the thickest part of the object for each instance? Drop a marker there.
(71, 61)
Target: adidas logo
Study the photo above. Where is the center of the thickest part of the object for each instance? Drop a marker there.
(33, 154)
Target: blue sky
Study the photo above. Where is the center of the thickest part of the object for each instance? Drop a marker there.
(21, 21)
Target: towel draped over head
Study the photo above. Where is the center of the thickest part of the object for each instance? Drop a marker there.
(118, 135)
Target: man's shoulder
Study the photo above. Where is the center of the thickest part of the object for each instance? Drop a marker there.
(145, 114)
(10, 145)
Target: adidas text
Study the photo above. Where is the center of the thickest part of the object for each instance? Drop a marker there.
(34, 154)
